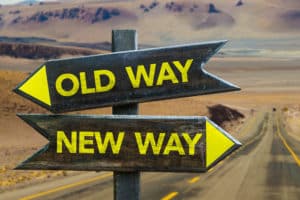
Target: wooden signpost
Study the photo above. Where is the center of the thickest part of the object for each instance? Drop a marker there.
(125, 142)
(126, 184)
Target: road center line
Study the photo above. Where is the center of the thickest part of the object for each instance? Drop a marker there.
(194, 180)
(68, 186)
(170, 196)
(296, 158)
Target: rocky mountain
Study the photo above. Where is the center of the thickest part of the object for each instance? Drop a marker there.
(85, 15)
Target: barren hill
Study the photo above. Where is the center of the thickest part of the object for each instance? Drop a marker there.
(165, 21)
(30, 51)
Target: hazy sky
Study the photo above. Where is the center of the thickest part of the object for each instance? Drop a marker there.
(8, 1)
(13, 1)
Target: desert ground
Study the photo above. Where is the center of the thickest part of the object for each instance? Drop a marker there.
(261, 57)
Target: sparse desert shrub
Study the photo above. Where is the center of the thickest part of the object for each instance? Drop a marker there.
(115, 12)
(220, 114)
(212, 8)
(239, 3)
(106, 14)
(14, 12)
(42, 18)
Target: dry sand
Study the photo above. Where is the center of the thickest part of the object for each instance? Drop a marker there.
(292, 118)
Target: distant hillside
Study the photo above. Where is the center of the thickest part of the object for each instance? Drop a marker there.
(103, 46)
(85, 15)
(21, 50)
(165, 21)
(28, 2)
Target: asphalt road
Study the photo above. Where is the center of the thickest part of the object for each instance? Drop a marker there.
(267, 166)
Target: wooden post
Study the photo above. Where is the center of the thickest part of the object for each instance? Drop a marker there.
(126, 184)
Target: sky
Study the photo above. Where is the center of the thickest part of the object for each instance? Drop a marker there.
(9, 1)
(13, 1)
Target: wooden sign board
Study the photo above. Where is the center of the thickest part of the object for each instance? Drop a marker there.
(124, 77)
(128, 143)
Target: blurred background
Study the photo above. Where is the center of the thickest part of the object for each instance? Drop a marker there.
(261, 56)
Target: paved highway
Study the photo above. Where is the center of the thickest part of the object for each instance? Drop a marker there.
(267, 166)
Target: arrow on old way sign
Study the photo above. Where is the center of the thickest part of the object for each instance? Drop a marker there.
(124, 142)
(124, 77)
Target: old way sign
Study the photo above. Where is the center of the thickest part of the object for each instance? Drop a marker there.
(124, 142)
(124, 77)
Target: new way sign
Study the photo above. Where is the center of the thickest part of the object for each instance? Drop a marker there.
(124, 77)
(126, 142)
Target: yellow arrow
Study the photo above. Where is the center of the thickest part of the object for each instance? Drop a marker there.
(37, 86)
(218, 142)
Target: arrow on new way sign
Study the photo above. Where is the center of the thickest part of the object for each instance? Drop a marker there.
(124, 142)
(124, 77)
